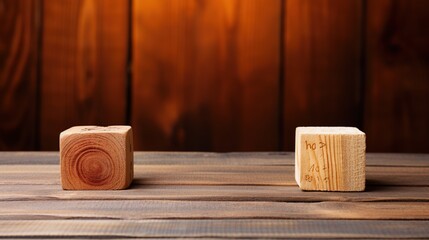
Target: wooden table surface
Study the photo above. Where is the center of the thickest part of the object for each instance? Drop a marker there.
(213, 195)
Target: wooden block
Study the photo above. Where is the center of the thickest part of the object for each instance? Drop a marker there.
(99, 158)
(330, 158)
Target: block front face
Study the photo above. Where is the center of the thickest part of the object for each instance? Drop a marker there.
(330, 159)
(96, 157)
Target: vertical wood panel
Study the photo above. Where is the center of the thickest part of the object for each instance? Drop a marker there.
(18, 54)
(397, 111)
(321, 64)
(205, 74)
(84, 65)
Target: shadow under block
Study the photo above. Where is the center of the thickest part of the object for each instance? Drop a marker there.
(96, 158)
(330, 159)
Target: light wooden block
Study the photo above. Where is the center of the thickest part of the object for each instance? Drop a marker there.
(330, 158)
(98, 158)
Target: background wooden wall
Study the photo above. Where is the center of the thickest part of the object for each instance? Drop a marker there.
(218, 75)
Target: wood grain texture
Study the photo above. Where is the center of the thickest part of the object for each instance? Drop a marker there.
(96, 158)
(216, 175)
(161, 209)
(214, 195)
(84, 55)
(321, 64)
(330, 158)
(209, 228)
(397, 75)
(19, 32)
(146, 191)
(214, 75)
(207, 158)
(206, 76)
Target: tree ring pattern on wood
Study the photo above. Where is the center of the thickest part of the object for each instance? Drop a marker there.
(93, 166)
(92, 162)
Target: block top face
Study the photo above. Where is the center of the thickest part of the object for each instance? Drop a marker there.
(120, 129)
(329, 130)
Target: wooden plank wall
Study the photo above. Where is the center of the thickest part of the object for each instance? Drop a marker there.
(19, 29)
(84, 63)
(397, 75)
(215, 75)
(208, 80)
(321, 64)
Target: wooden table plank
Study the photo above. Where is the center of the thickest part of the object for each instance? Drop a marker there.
(161, 209)
(209, 158)
(216, 175)
(213, 193)
(218, 195)
(208, 228)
